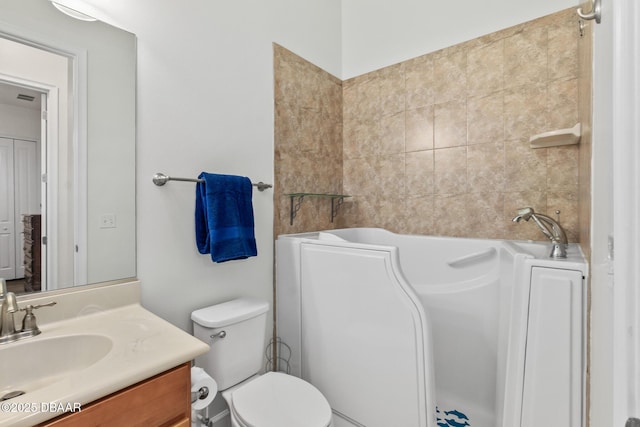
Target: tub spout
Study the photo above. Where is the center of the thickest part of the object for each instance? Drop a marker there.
(549, 227)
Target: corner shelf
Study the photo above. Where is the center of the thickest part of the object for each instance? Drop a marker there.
(556, 138)
(297, 198)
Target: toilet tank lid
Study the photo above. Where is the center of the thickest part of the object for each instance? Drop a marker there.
(229, 312)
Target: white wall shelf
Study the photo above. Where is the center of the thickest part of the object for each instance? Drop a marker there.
(555, 138)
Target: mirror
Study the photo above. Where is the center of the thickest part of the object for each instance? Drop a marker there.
(73, 217)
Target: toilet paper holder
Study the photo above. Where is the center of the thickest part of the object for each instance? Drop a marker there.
(202, 393)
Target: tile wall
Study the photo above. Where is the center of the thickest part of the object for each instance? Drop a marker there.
(438, 144)
(307, 141)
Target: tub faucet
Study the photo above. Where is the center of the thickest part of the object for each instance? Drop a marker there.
(549, 227)
(8, 306)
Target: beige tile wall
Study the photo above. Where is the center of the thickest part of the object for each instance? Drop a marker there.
(438, 144)
(308, 141)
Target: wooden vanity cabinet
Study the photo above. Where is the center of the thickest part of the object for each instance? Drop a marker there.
(163, 401)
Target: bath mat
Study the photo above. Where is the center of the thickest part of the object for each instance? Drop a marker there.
(452, 418)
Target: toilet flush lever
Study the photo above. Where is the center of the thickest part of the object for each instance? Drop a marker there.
(220, 334)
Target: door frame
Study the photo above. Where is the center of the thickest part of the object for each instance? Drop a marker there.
(8, 224)
(626, 202)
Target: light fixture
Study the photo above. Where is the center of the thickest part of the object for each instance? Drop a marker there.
(72, 12)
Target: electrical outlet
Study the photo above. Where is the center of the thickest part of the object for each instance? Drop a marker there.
(108, 221)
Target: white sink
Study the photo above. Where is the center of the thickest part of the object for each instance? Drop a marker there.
(541, 250)
(30, 365)
(85, 353)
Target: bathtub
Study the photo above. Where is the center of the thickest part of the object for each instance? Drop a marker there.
(414, 331)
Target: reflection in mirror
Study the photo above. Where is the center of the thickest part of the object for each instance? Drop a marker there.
(67, 149)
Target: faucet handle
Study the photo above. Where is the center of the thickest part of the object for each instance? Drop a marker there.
(29, 308)
(558, 215)
(29, 321)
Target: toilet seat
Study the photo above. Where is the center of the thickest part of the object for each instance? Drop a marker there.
(279, 400)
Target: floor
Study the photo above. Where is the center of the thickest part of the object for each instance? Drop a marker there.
(16, 286)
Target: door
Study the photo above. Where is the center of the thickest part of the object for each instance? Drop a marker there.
(7, 212)
(19, 195)
(26, 174)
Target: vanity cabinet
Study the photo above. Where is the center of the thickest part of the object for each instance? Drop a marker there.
(163, 400)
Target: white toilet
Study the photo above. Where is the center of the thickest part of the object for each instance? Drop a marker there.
(235, 330)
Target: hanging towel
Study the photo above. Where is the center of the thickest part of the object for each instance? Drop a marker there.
(224, 217)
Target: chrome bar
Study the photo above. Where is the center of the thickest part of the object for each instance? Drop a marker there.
(160, 179)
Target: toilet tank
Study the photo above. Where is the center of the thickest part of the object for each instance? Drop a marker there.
(238, 344)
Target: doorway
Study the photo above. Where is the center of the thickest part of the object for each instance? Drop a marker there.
(21, 169)
(40, 186)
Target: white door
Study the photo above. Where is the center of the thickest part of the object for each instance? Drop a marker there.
(19, 195)
(7, 213)
(26, 173)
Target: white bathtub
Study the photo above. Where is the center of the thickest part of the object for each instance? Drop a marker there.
(400, 330)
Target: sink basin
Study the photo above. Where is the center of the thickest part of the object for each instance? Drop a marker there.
(31, 365)
(539, 250)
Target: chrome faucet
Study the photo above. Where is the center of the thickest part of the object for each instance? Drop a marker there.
(549, 227)
(8, 306)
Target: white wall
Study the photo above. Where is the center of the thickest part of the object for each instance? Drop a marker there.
(205, 103)
(378, 33)
(19, 122)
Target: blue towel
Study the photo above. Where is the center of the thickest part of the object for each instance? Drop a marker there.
(224, 217)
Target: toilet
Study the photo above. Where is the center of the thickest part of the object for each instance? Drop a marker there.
(235, 331)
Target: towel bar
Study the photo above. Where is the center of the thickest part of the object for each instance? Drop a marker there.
(161, 179)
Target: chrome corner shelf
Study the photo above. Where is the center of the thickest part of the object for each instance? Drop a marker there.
(297, 198)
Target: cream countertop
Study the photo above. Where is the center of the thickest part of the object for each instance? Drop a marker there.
(143, 345)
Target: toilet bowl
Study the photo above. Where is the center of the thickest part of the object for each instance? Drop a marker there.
(277, 400)
(235, 331)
